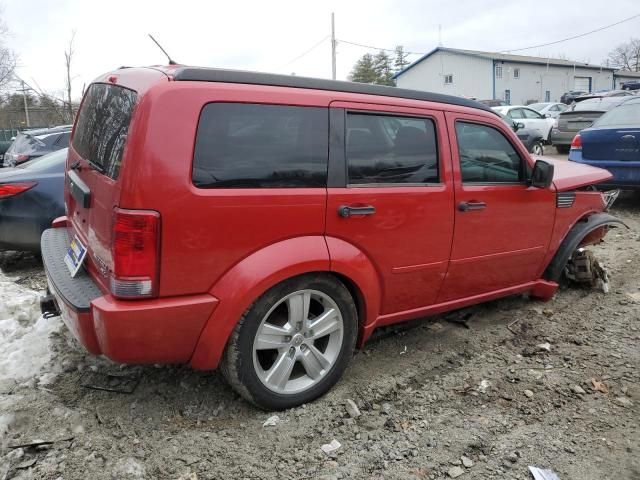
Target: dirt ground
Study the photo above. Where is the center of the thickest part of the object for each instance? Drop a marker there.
(476, 391)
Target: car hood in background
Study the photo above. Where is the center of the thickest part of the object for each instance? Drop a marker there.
(571, 175)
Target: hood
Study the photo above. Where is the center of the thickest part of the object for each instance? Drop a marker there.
(569, 175)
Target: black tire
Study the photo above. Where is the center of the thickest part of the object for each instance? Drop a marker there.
(562, 148)
(237, 362)
(540, 145)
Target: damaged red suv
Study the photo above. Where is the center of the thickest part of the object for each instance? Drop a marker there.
(267, 224)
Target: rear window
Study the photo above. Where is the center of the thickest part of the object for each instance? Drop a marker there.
(597, 104)
(103, 125)
(626, 114)
(25, 144)
(261, 146)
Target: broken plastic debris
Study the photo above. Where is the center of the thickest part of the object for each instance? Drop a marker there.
(330, 447)
(272, 421)
(542, 474)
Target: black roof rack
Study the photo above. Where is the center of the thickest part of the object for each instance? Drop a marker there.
(201, 74)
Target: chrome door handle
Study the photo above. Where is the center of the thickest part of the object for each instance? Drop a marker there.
(345, 211)
(468, 206)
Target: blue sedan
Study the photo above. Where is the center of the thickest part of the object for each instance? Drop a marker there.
(31, 196)
(613, 143)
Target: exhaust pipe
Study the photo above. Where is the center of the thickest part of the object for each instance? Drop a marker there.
(48, 307)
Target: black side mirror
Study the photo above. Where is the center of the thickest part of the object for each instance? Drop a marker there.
(518, 126)
(542, 174)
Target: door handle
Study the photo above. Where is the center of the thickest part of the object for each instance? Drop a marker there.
(345, 211)
(468, 206)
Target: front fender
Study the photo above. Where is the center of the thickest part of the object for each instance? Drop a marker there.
(574, 239)
(246, 281)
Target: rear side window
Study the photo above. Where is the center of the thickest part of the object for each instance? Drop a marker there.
(261, 146)
(102, 126)
(387, 149)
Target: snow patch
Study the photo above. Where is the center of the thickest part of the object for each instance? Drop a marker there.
(25, 345)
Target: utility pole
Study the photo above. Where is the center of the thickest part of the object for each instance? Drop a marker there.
(333, 47)
(26, 107)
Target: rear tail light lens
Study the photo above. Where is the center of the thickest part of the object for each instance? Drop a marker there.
(577, 143)
(136, 253)
(22, 158)
(12, 189)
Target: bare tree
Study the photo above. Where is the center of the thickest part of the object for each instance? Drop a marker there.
(68, 58)
(626, 56)
(8, 58)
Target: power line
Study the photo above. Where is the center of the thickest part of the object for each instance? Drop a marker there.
(379, 48)
(316, 45)
(574, 37)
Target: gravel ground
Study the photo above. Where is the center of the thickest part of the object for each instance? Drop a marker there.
(480, 393)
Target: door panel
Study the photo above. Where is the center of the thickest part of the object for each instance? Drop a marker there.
(501, 242)
(407, 229)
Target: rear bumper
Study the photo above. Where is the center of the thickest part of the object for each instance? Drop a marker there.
(559, 137)
(626, 174)
(127, 331)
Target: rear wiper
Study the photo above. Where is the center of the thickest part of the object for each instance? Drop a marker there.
(95, 166)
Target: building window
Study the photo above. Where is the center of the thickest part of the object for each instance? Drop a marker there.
(448, 79)
(498, 71)
(516, 73)
(547, 96)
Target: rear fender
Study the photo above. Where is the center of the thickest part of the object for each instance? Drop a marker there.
(248, 280)
(351, 262)
(582, 233)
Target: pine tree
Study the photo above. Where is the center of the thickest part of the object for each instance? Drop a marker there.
(382, 66)
(364, 70)
(401, 59)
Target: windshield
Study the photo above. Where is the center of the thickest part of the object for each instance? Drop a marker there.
(627, 114)
(25, 144)
(46, 161)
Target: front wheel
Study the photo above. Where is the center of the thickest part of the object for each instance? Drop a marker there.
(293, 344)
(538, 148)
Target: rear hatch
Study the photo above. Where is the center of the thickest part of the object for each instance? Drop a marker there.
(96, 155)
(613, 144)
(615, 136)
(576, 121)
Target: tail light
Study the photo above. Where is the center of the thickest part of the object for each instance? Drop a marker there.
(22, 158)
(136, 253)
(11, 189)
(577, 143)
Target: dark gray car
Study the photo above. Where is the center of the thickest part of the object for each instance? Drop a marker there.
(31, 197)
(578, 116)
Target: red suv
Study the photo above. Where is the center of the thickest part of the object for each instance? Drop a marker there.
(268, 224)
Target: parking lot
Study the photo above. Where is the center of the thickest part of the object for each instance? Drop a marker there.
(489, 390)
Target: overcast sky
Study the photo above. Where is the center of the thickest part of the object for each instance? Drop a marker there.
(269, 35)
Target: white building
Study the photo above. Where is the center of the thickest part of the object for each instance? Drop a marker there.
(516, 79)
(625, 76)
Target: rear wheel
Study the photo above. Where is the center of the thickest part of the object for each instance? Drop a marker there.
(562, 148)
(293, 344)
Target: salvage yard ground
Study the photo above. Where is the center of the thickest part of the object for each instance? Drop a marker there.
(481, 393)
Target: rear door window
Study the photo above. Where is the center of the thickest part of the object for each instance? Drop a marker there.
(387, 149)
(102, 126)
(261, 146)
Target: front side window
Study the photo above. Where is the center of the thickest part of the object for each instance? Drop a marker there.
(486, 156)
(516, 113)
(261, 146)
(530, 114)
(386, 149)
(103, 125)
